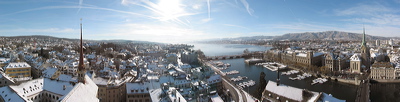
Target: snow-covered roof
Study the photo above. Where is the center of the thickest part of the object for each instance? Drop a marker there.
(57, 87)
(134, 88)
(302, 55)
(100, 81)
(288, 91)
(4, 75)
(64, 77)
(214, 79)
(82, 92)
(330, 98)
(9, 95)
(28, 88)
(355, 57)
(175, 96)
(216, 98)
(183, 66)
(155, 93)
(49, 72)
(317, 54)
(4, 60)
(17, 65)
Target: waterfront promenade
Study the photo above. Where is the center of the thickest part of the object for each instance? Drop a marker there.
(237, 94)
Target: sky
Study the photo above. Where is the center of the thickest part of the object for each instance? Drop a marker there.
(175, 21)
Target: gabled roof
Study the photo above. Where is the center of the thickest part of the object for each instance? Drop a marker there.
(17, 65)
(289, 92)
(355, 57)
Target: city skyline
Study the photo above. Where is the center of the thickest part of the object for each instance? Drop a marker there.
(176, 20)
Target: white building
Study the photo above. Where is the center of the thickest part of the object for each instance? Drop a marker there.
(45, 89)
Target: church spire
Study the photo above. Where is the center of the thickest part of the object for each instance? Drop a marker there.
(363, 40)
(81, 66)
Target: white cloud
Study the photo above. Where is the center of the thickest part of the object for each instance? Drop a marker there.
(156, 33)
(247, 6)
(231, 25)
(206, 20)
(47, 30)
(364, 10)
(164, 10)
(371, 13)
(381, 20)
(371, 29)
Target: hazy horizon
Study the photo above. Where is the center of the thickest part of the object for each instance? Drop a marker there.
(173, 21)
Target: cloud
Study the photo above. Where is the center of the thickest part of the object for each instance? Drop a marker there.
(231, 25)
(164, 10)
(385, 19)
(247, 6)
(80, 6)
(371, 29)
(47, 30)
(374, 14)
(209, 9)
(155, 32)
(364, 9)
(206, 20)
(86, 7)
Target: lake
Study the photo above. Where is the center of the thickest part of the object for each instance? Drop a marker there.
(339, 90)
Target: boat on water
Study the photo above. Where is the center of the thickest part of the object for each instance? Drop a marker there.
(319, 80)
(253, 61)
(227, 65)
(223, 68)
(274, 66)
(301, 77)
(232, 72)
(290, 72)
(239, 78)
(246, 84)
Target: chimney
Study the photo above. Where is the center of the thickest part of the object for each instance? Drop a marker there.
(64, 87)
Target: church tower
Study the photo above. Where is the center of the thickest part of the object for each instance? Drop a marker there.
(81, 66)
(365, 54)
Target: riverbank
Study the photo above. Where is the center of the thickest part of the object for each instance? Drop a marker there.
(346, 81)
(385, 81)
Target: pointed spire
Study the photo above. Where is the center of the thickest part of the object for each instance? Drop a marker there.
(363, 40)
(81, 66)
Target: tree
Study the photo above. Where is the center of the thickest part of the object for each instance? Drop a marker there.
(261, 86)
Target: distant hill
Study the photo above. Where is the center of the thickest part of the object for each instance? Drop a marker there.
(326, 35)
(68, 39)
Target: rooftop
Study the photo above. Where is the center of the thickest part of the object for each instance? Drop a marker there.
(17, 65)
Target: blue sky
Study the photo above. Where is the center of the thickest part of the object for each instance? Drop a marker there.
(173, 21)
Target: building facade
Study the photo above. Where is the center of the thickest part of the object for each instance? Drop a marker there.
(335, 62)
(18, 70)
(384, 71)
(137, 92)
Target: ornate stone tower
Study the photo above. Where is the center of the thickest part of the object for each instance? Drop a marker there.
(365, 54)
(81, 66)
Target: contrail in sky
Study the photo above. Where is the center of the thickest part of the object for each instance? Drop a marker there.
(209, 9)
(80, 6)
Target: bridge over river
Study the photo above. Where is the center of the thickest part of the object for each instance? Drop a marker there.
(245, 55)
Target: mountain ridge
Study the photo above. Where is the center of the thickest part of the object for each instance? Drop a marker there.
(324, 35)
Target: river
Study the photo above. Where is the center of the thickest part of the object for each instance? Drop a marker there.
(339, 90)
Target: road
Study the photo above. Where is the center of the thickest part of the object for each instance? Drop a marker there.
(238, 95)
